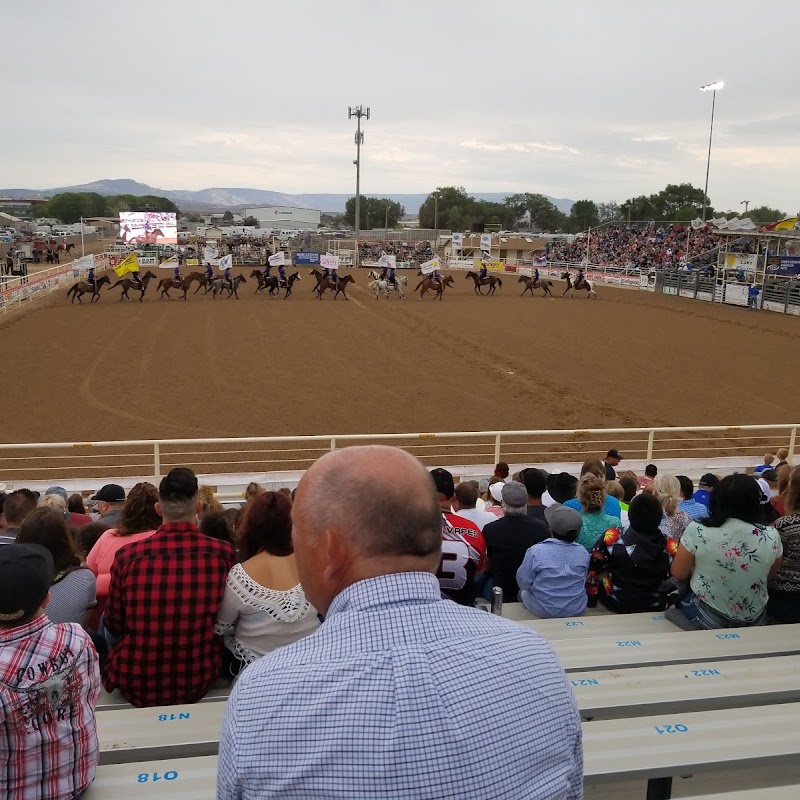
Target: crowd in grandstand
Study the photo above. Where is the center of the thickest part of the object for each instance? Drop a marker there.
(640, 247)
(403, 251)
(353, 593)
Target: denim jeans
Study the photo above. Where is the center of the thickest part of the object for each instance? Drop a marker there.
(703, 616)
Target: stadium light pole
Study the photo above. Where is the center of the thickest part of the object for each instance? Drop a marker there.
(713, 88)
(745, 203)
(358, 112)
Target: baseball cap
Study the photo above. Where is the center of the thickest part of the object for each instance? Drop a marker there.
(765, 491)
(563, 520)
(709, 479)
(496, 491)
(770, 475)
(59, 490)
(514, 494)
(614, 454)
(110, 493)
(26, 571)
(443, 481)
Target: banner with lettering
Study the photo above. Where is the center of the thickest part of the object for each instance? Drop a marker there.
(277, 260)
(329, 262)
(486, 241)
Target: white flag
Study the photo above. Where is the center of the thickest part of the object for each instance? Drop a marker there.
(277, 260)
(387, 261)
(458, 241)
(210, 253)
(86, 262)
(329, 262)
(486, 241)
(697, 224)
(429, 266)
(226, 262)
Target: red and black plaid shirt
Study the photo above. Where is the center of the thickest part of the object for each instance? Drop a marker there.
(163, 601)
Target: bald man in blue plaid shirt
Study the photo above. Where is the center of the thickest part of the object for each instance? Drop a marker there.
(399, 694)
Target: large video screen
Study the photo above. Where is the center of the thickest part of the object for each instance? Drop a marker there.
(148, 227)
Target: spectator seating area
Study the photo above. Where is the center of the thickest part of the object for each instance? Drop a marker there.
(666, 713)
(403, 251)
(640, 247)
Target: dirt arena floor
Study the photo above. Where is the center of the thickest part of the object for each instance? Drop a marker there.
(269, 367)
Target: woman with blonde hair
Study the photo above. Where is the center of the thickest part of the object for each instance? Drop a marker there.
(667, 489)
(209, 500)
(594, 467)
(595, 520)
(252, 491)
(784, 589)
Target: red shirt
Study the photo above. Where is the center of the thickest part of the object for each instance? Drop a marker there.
(163, 601)
(49, 684)
(463, 556)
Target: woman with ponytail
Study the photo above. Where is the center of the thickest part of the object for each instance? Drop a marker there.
(592, 497)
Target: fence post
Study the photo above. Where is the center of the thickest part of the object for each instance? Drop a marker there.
(650, 441)
(333, 444)
(792, 443)
(156, 461)
(497, 449)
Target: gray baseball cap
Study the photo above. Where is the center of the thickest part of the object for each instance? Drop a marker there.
(514, 494)
(563, 520)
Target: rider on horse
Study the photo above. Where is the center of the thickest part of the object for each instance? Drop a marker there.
(484, 273)
(136, 281)
(177, 276)
(227, 277)
(436, 278)
(209, 271)
(91, 280)
(580, 277)
(334, 277)
(536, 274)
(282, 275)
(391, 279)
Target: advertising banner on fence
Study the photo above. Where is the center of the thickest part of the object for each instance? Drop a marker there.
(329, 262)
(458, 241)
(495, 266)
(783, 265)
(741, 261)
(148, 227)
(306, 258)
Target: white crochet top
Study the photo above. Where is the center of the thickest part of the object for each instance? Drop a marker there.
(257, 620)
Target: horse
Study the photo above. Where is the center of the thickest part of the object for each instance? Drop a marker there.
(220, 284)
(489, 280)
(379, 287)
(295, 276)
(149, 237)
(65, 248)
(127, 283)
(428, 283)
(81, 288)
(328, 283)
(531, 284)
(583, 285)
(165, 284)
(259, 276)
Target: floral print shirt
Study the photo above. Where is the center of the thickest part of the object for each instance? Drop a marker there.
(731, 566)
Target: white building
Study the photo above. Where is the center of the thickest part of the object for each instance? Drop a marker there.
(285, 217)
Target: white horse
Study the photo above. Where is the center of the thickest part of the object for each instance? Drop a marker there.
(384, 287)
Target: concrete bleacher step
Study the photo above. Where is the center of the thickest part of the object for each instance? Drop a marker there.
(113, 701)
(610, 652)
(653, 748)
(589, 627)
(771, 793)
(610, 694)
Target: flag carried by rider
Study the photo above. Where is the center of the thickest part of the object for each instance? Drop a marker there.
(226, 262)
(169, 262)
(430, 266)
(277, 260)
(128, 264)
(210, 254)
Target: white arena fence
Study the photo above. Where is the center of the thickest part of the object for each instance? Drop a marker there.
(76, 462)
(16, 291)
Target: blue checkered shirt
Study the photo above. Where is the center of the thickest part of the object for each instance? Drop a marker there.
(403, 695)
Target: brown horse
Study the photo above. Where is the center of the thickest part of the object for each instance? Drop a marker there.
(81, 288)
(165, 284)
(149, 237)
(127, 283)
(492, 281)
(65, 248)
(429, 283)
(327, 283)
(583, 285)
(531, 284)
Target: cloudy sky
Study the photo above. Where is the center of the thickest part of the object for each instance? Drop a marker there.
(574, 99)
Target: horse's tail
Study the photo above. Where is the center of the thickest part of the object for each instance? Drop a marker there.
(499, 282)
(74, 288)
(116, 284)
(417, 286)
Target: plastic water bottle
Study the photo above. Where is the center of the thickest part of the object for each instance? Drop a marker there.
(497, 601)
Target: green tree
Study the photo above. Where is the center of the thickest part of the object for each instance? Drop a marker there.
(764, 215)
(227, 216)
(677, 198)
(544, 216)
(639, 208)
(251, 222)
(609, 211)
(374, 212)
(583, 215)
(453, 204)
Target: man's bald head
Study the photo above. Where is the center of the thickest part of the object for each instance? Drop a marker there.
(380, 497)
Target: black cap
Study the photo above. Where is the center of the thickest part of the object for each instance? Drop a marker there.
(443, 481)
(614, 454)
(26, 572)
(770, 475)
(709, 479)
(110, 493)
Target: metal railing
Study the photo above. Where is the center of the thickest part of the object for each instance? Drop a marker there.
(154, 457)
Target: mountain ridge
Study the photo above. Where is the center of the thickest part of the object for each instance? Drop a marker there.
(223, 198)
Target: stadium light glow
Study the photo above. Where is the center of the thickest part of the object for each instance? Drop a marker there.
(713, 87)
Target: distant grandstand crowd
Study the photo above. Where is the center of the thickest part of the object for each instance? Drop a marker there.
(646, 248)
(403, 251)
(348, 594)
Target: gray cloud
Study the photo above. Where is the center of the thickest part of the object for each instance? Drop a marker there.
(579, 99)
